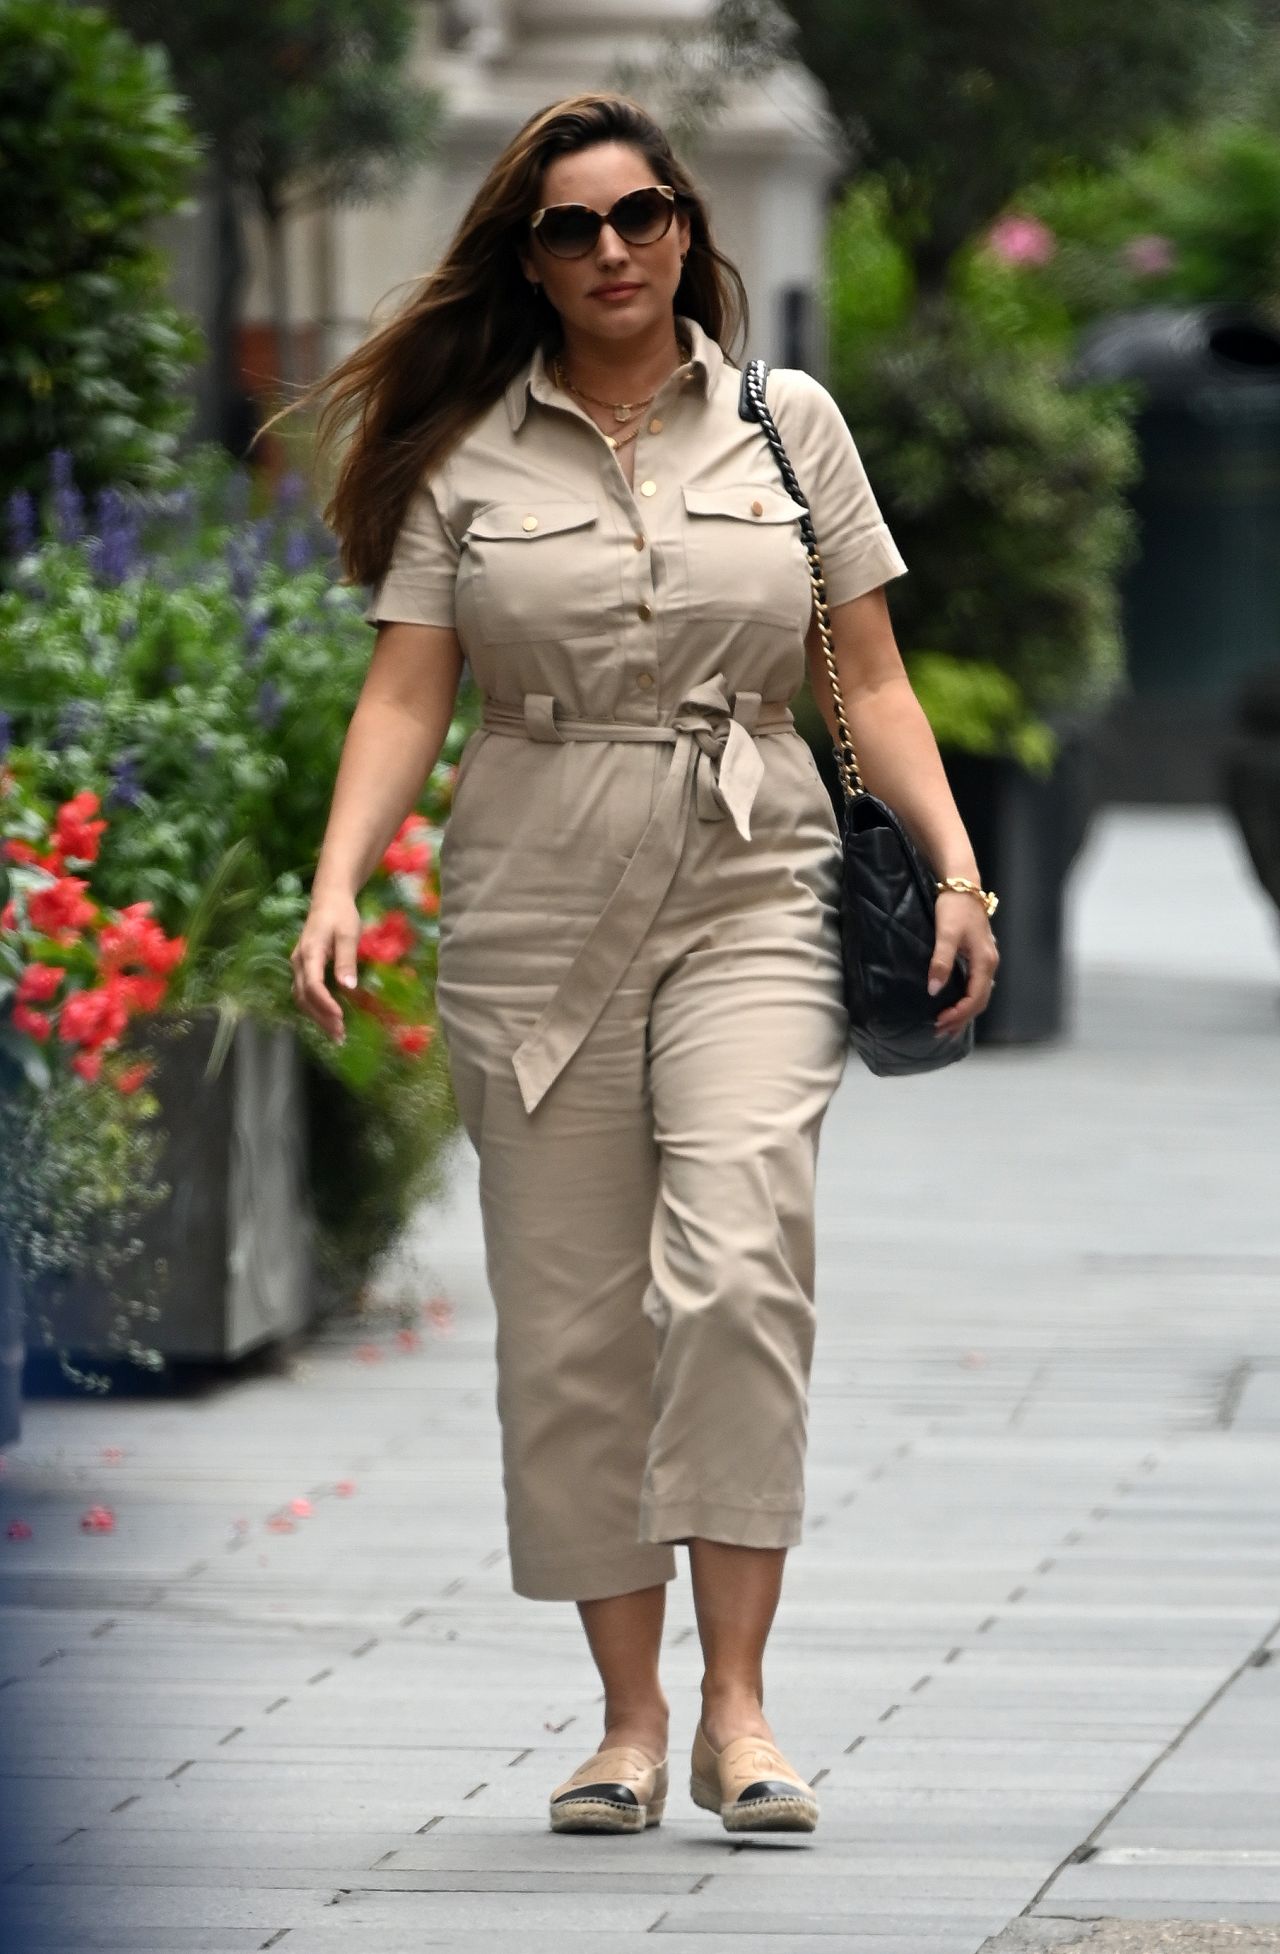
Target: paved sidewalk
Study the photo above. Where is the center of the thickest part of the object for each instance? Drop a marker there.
(1029, 1650)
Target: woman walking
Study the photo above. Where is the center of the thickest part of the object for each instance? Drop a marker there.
(639, 960)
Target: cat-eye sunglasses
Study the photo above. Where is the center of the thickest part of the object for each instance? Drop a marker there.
(571, 230)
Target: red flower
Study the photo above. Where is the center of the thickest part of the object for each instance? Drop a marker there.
(9, 915)
(77, 834)
(135, 938)
(34, 1023)
(96, 1016)
(133, 1076)
(88, 1065)
(387, 941)
(38, 982)
(406, 857)
(413, 1038)
(16, 850)
(62, 908)
(142, 993)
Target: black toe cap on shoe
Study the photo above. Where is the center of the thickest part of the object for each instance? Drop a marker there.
(616, 1794)
(772, 1788)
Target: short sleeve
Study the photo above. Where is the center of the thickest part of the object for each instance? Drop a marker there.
(857, 550)
(419, 581)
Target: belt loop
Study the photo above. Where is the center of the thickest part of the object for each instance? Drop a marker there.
(746, 707)
(540, 717)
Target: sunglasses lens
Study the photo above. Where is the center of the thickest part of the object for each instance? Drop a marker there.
(569, 230)
(642, 217)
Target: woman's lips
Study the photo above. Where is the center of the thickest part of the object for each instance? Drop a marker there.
(615, 291)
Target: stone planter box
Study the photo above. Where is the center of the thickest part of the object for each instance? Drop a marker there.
(1026, 833)
(12, 1352)
(237, 1229)
(1250, 776)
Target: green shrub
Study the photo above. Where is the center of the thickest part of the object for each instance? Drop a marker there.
(1193, 218)
(196, 666)
(93, 356)
(1005, 491)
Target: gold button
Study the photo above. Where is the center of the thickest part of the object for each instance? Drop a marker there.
(530, 522)
(648, 488)
(644, 611)
(645, 679)
(655, 425)
(757, 508)
(638, 541)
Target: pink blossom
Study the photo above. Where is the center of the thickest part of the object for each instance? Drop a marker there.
(1149, 254)
(1021, 240)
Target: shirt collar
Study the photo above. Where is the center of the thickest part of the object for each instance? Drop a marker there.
(705, 360)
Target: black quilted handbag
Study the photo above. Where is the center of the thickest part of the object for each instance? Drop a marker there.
(888, 888)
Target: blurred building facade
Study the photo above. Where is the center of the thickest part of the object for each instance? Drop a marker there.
(766, 159)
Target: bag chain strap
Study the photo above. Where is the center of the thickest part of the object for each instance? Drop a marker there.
(846, 758)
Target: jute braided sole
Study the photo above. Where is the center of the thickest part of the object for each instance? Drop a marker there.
(798, 1814)
(604, 1815)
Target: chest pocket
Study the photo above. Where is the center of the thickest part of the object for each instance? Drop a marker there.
(745, 554)
(532, 571)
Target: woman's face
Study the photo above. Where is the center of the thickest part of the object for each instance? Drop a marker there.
(577, 286)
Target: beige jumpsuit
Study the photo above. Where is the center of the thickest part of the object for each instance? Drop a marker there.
(639, 976)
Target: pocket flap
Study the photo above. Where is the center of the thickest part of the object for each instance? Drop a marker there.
(524, 522)
(738, 498)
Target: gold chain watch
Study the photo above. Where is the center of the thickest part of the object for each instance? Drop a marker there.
(987, 897)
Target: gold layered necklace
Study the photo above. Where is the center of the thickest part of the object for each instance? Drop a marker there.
(622, 410)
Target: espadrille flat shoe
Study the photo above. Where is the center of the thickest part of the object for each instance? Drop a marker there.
(751, 1785)
(616, 1790)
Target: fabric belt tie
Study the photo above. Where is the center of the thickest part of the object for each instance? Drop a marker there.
(717, 765)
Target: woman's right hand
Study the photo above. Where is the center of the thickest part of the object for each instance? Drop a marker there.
(332, 929)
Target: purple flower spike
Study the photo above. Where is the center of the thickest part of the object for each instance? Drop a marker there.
(270, 703)
(23, 522)
(297, 551)
(255, 631)
(291, 488)
(242, 566)
(68, 503)
(126, 784)
(74, 720)
(113, 551)
(6, 731)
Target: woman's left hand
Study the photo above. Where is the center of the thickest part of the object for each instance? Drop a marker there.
(961, 924)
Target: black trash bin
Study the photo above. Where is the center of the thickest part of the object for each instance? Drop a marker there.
(1201, 600)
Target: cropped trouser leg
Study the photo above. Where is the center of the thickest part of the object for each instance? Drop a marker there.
(747, 1044)
(566, 1201)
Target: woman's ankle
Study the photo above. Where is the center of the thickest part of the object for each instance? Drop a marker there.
(638, 1719)
(732, 1708)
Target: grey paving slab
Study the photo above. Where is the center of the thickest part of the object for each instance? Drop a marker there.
(1040, 1575)
(1170, 1936)
(815, 1921)
(412, 1940)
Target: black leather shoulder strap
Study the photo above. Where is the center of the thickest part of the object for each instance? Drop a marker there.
(746, 408)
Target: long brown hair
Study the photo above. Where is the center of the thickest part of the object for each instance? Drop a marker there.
(413, 388)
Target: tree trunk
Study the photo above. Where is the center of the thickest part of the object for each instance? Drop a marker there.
(278, 275)
(231, 409)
